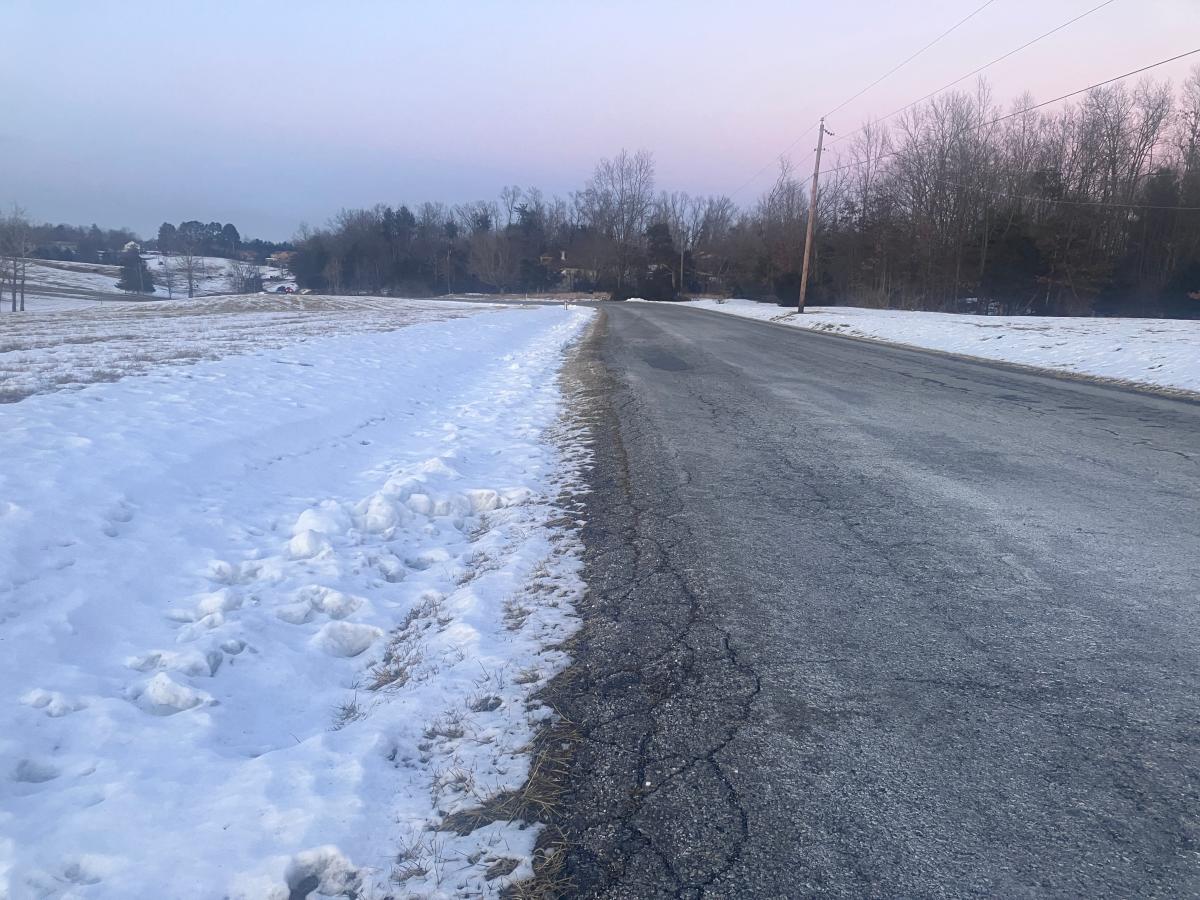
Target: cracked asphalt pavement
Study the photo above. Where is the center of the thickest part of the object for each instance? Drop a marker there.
(864, 621)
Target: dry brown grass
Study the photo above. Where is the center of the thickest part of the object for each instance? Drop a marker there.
(400, 659)
(345, 713)
(538, 798)
(528, 676)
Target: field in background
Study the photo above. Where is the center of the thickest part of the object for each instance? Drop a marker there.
(54, 285)
(104, 342)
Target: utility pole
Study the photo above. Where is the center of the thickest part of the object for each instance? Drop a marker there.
(812, 217)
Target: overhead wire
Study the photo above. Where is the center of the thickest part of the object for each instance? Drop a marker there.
(976, 71)
(1098, 203)
(1091, 87)
(901, 65)
(877, 81)
(998, 119)
(1027, 109)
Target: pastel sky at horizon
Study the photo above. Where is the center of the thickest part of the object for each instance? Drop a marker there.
(268, 113)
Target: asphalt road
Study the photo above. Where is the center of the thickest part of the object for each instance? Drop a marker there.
(871, 622)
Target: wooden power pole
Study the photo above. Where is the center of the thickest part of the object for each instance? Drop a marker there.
(812, 218)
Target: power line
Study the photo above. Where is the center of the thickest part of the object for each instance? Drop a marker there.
(1093, 87)
(1021, 112)
(749, 181)
(1099, 203)
(900, 66)
(887, 74)
(998, 59)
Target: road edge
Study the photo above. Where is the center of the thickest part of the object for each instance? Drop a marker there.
(1122, 384)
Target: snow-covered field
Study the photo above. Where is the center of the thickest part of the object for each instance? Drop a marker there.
(1155, 352)
(70, 348)
(54, 286)
(214, 274)
(267, 618)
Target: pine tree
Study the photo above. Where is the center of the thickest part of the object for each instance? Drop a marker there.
(135, 276)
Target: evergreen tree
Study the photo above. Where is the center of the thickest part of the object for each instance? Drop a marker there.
(167, 236)
(230, 239)
(657, 281)
(135, 277)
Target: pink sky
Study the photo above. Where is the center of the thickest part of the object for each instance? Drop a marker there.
(268, 113)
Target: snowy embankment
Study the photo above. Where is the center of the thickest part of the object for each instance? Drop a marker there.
(1162, 353)
(265, 620)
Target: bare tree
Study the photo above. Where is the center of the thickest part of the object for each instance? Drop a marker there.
(333, 274)
(618, 200)
(245, 277)
(781, 219)
(1187, 123)
(168, 273)
(191, 266)
(16, 243)
(1088, 207)
(509, 197)
(492, 260)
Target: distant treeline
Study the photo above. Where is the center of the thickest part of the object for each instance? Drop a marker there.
(92, 244)
(956, 205)
(214, 239)
(79, 243)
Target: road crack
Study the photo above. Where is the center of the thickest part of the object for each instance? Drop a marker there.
(656, 690)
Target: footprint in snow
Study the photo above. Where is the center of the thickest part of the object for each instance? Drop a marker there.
(390, 567)
(429, 558)
(232, 574)
(190, 662)
(312, 600)
(52, 703)
(308, 544)
(120, 514)
(332, 603)
(163, 696)
(346, 639)
(33, 771)
(200, 627)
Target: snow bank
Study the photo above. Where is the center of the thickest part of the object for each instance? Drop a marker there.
(264, 625)
(1154, 352)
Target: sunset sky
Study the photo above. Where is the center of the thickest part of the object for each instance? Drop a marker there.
(267, 114)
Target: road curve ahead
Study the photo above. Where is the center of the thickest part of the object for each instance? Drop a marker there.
(870, 622)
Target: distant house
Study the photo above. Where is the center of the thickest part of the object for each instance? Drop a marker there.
(707, 273)
(573, 275)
